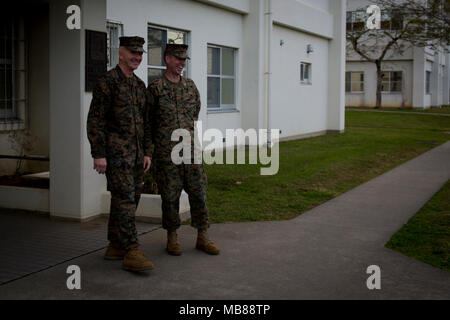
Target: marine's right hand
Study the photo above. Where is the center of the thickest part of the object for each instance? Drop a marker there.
(100, 165)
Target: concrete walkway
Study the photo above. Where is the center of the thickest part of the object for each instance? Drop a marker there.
(322, 254)
(31, 242)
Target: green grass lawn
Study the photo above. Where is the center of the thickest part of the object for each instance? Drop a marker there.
(315, 170)
(426, 236)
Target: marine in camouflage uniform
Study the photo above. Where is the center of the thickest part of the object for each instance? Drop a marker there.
(118, 130)
(176, 106)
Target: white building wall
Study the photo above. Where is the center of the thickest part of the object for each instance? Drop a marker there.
(228, 24)
(206, 24)
(391, 99)
(298, 108)
(304, 16)
(239, 6)
(319, 4)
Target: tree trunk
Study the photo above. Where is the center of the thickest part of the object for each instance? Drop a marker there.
(379, 84)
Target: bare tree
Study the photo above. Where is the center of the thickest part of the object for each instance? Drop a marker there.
(404, 23)
(429, 21)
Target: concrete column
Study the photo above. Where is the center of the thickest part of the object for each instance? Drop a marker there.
(419, 78)
(446, 82)
(252, 66)
(93, 185)
(73, 192)
(436, 81)
(336, 68)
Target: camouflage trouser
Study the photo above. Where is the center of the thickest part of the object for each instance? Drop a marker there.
(125, 185)
(171, 180)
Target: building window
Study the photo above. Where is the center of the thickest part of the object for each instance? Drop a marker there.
(391, 81)
(391, 20)
(356, 21)
(428, 82)
(158, 37)
(221, 78)
(305, 73)
(13, 72)
(115, 31)
(354, 82)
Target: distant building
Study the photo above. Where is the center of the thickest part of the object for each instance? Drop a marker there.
(419, 78)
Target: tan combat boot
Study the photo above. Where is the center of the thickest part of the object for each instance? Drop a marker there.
(114, 253)
(173, 246)
(135, 260)
(206, 245)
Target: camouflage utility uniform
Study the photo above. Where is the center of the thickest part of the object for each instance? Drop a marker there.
(118, 130)
(176, 106)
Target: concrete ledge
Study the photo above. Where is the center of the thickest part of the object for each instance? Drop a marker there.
(69, 218)
(310, 135)
(33, 199)
(236, 6)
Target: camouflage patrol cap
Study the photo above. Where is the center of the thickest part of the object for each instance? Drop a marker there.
(177, 50)
(132, 43)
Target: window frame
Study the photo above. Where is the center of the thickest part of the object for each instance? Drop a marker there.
(390, 81)
(351, 82)
(386, 19)
(167, 29)
(427, 82)
(303, 80)
(120, 33)
(353, 20)
(220, 76)
(19, 91)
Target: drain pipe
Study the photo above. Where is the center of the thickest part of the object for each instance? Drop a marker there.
(267, 65)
